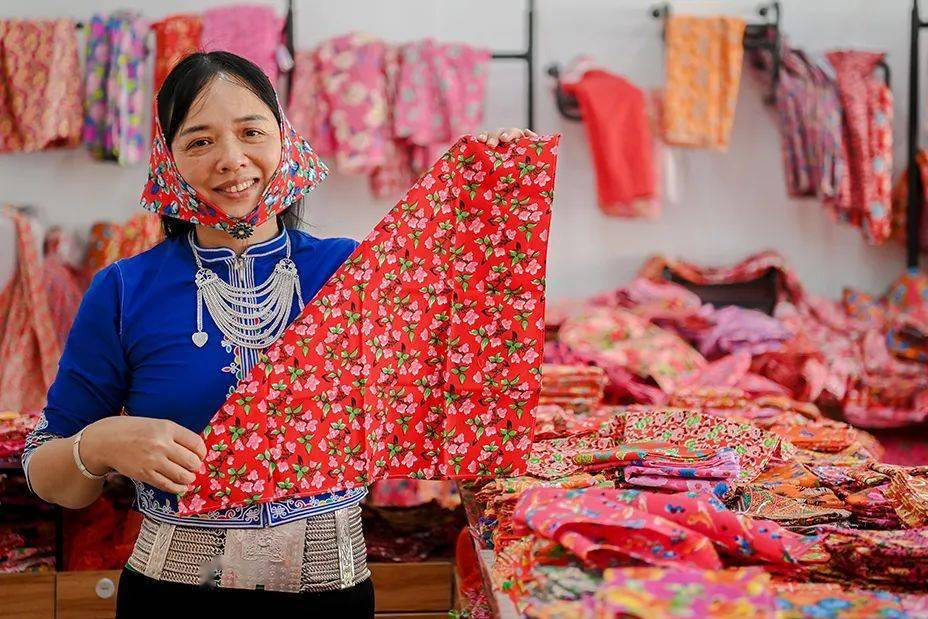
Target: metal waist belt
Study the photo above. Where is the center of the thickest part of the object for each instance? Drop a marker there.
(319, 553)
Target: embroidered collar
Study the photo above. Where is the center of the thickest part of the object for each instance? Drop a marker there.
(276, 246)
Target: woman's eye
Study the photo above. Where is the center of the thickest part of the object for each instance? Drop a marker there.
(198, 143)
(252, 133)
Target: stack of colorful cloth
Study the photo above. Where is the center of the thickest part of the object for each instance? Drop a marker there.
(576, 388)
(662, 466)
(897, 559)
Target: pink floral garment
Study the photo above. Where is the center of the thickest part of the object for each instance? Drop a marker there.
(40, 85)
(439, 95)
(251, 31)
(421, 355)
(340, 98)
(868, 105)
(29, 347)
(616, 337)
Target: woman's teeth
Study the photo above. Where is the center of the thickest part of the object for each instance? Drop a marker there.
(240, 187)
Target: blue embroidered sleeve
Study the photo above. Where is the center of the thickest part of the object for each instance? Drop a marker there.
(93, 375)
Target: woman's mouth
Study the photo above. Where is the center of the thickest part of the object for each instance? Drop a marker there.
(238, 190)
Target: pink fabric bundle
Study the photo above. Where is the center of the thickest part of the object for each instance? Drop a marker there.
(251, 31)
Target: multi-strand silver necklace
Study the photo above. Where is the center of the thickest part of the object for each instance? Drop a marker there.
(252, 317)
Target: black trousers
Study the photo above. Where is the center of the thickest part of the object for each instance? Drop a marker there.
(139, 597)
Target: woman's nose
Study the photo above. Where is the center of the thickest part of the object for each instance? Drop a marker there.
(231, 156)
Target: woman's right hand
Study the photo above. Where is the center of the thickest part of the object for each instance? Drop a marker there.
(157, 452)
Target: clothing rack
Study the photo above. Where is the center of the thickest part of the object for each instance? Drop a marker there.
(916, 198)
(528, 57)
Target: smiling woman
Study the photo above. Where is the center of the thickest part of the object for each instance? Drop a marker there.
(228, 175)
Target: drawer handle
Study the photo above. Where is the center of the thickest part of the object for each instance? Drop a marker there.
(105, 588)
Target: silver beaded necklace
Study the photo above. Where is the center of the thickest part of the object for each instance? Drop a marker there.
(252, 317)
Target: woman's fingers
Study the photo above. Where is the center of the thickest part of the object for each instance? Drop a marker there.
(190, 440)
(176, 473)
(161, 482)
(504, 136)
(182, 456)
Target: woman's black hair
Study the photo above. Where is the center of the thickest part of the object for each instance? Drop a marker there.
(181, 88)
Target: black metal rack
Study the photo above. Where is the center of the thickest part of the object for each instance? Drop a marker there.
(528, 57)
(916, 199)
(762, 35)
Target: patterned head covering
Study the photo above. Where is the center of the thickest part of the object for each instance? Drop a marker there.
(167, 193)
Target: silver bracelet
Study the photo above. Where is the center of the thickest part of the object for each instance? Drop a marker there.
(76, 450)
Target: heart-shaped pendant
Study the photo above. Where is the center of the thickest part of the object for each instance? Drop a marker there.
(199, 338)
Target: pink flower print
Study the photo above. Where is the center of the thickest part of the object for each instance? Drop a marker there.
(254, 441)
(197, 503)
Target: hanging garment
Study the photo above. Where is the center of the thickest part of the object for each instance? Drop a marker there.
(439, 95)
(867, 104)
(343, 101)
(250, 31)
(112, 86)
(360, 87)
(176, 36)
(40, 85)
(615, 114)
(28, 342)
(63, 285)
(421, 355)
(703, 67)
(102, 247)
(140, 233)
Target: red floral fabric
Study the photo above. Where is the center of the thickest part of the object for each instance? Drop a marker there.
(420, 357)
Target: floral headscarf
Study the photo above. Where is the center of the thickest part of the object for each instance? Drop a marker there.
(167, 193)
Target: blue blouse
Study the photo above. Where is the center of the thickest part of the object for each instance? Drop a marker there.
(130, 348)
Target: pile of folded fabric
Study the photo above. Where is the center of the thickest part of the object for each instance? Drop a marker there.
(571, 387)
(656, 342)
(667, 467)
(897, 559)
(14, 427)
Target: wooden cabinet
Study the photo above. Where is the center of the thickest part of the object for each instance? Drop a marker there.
(27, 596)
(413, 587)
(86, 595)
(403, 591)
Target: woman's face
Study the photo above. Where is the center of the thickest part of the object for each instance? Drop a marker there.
(228, 146)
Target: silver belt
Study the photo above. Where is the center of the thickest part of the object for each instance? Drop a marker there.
(319, 553)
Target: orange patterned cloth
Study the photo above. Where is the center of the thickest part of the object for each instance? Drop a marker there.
(40, 85)
(175, 37)
(29, 348)
(703, 67)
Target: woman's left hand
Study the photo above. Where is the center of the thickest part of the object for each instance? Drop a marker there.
(502, 135)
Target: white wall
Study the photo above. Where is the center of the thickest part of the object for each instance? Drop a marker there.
(732, 204)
